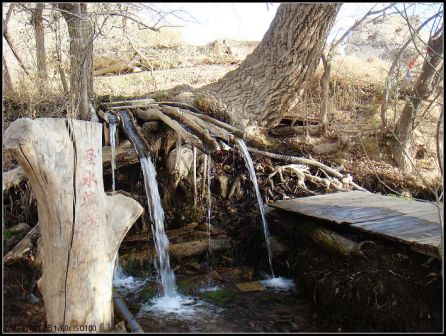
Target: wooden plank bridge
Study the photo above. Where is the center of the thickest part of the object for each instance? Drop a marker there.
(413, 223)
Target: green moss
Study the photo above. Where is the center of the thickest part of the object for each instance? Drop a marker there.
(149, 293)
(187, 286)
(220, 297)
(7, 234)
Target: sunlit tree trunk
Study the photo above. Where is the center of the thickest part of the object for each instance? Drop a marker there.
(81, 54)
(268, 83)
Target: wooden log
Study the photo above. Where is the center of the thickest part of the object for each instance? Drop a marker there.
(200, 132)
(295, 130)
(81, 227)
(24, 249)
(125, 313)
(132, 102)
(155, 114)
(197, 247)
(234, 130)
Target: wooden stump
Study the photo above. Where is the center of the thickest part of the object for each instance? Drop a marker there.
(81, 227)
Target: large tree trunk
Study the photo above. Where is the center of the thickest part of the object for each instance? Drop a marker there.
(403, 148)
(268, 83)
(37, 20)
(81, 55)
(81, 227)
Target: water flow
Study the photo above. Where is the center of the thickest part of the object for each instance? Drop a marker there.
(249, 164)
(156, 212)
(112, 125)
(209, 218)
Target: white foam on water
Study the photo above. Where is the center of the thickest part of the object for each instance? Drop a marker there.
(209, 289)
(177, 305)
(128, 284)
(279, 283)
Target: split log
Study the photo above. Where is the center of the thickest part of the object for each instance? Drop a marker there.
(81, 227)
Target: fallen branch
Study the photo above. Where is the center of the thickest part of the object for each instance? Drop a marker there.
(308, 162)
(186, 120)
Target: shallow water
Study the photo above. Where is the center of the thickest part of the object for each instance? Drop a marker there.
(263, 311)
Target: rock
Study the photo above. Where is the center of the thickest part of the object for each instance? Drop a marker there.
(193, 265)
(277, 246)
(253, 286)
(20, 228)
(204, 227)
(246, 273)
(185, 97)
(120, 327)
(150, 126)
(222, 182)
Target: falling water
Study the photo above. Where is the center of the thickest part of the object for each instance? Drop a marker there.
(112, 124)
(156, 212)
(208, 157)
(249, 164)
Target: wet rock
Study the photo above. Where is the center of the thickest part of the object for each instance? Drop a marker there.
(150, 126)
(193, 265)
(222, 182)
(246, 273)
(277, 246)
(21, 228)
(253, 286)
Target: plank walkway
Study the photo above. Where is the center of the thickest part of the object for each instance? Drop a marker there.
(410, 222)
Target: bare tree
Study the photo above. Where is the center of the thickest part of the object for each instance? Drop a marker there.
(37, 21)
(81, 54)
(403, 147)
(391, 73)
(328, 59)
(10, 41)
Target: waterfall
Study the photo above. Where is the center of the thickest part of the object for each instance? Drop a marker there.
(112, 125)
(208, 157)
(249, 164)
(156, 211)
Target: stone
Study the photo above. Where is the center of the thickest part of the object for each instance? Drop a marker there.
(277, 246)
(222, 182)
(253, 286)
(20, 228)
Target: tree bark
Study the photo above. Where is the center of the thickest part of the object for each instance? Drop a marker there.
(403, 148)
(267, 84)
(325, 92)
(7, 88)
(81, 227)
(81, 53)
(39, 33)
